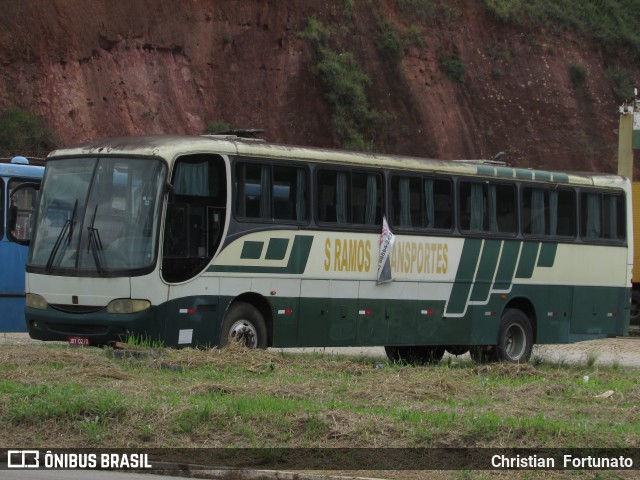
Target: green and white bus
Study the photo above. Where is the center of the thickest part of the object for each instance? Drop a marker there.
(197, 241)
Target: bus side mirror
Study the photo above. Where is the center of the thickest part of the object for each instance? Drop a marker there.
(22, 204)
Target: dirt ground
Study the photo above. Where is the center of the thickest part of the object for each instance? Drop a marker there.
(623, 351)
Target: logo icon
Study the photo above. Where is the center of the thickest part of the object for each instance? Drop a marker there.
(23, 459)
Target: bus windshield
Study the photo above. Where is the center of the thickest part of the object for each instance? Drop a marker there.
(98, 215)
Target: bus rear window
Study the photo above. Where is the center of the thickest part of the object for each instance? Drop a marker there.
(602, 216)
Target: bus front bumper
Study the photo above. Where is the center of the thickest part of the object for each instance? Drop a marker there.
(99, 327)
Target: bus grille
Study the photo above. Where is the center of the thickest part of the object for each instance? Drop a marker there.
(76, 308)
(78, 329)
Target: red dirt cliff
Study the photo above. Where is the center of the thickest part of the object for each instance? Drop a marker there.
(102, 68)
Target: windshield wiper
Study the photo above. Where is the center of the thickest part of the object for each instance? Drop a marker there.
(95, 244)
(67, 230)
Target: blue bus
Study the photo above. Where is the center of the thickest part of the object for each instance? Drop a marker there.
(19, 186)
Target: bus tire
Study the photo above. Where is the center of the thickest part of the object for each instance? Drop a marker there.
(515, 337)
(634, 315)
(244, 323)
(415, 355)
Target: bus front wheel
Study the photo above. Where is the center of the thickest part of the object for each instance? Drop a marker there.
(515, 338)
(417, 355)
(244, 324)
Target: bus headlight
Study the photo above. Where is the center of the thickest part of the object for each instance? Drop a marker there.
(127, 305)
(36, 301)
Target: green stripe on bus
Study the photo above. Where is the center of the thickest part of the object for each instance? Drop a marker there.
(486, 170)
(504, 172)
(252, 250)
(507, 267)
(524, 174)
(543, 176)
(528, 257)
(464, 276)
(486, 270)
(560, 177)
(277, 249)
(295, 266)
(547, 255)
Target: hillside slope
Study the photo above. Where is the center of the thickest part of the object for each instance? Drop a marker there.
(113, 67)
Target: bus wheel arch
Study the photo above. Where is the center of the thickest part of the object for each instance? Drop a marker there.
(248, 313)
(526, 307)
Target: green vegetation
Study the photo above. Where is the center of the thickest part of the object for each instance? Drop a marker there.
(22, 133)
(621, 82)
(429, 10)
(424, 9)
(355, 123)
(452, 67)
(56, 395)
(611, 25)
(388, 42)
(214, 127)
(578, 75)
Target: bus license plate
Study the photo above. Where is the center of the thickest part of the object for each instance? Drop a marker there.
(78, 341)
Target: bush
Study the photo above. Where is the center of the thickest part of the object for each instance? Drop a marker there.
(354, 122)
(452, 67)
(423, 9)
(22, 133)
(621, 83)
(578, 75)
(388, 42)
(612, 25)
(217, 127)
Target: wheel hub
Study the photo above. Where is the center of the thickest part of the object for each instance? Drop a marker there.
(244, 332)
(515, 342)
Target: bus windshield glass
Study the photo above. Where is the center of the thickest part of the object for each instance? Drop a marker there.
(99, 215)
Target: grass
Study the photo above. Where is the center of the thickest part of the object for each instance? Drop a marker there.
(52, 395)
(610, 25)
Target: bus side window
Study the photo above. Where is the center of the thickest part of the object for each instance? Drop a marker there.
(290, 199)
(346, 197)
(488, 207)
(22, 203)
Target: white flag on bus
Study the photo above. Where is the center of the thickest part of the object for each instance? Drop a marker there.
(384, 261)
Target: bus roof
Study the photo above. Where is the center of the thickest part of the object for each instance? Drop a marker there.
(170, 147)
(18, 170)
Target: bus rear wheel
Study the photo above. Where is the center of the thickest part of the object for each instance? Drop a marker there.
(515, 338)
(244, 324)
(416, 355)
